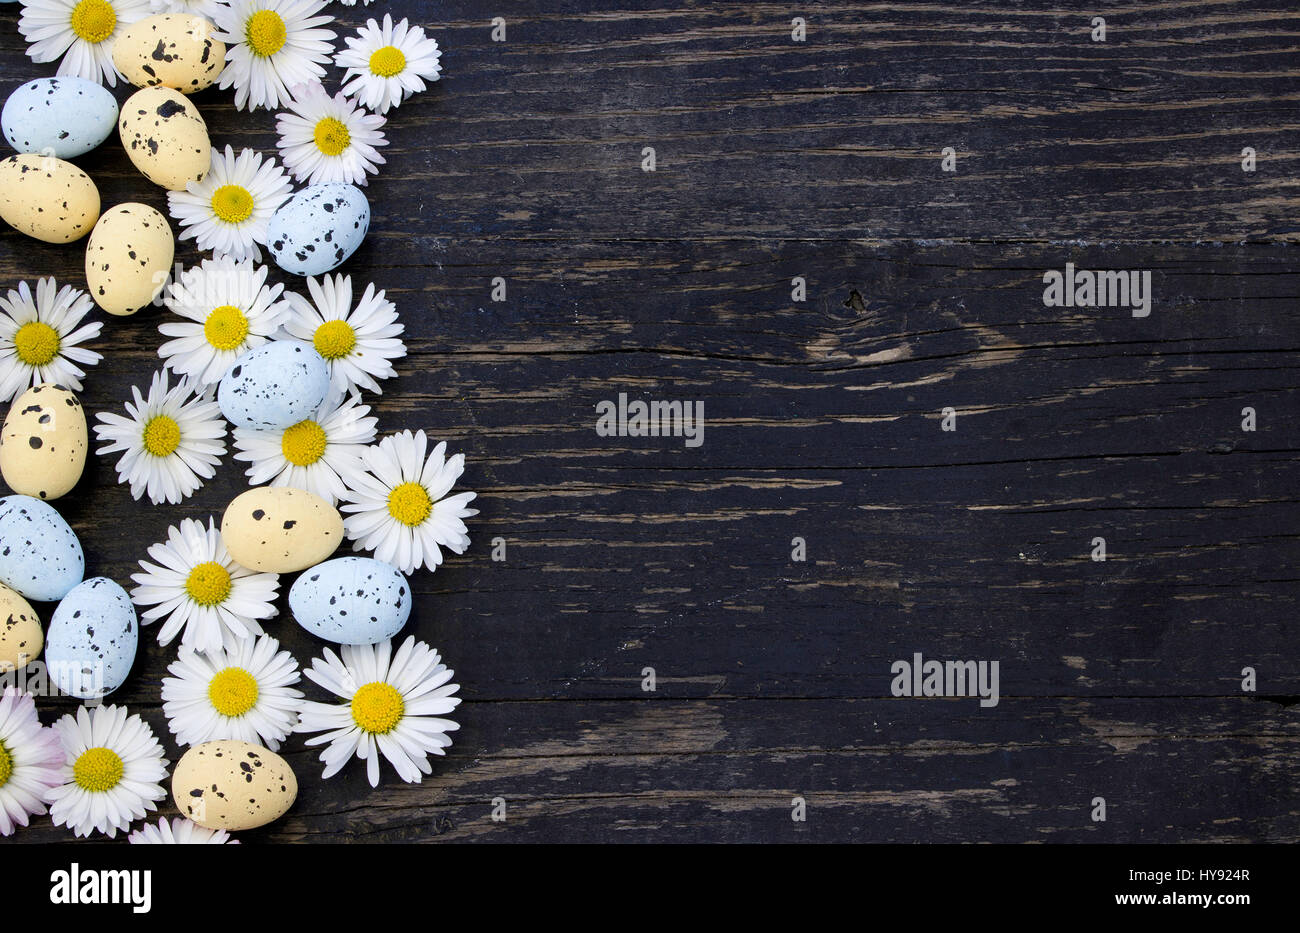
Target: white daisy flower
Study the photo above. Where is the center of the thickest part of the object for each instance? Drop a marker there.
(228, 211)
(181, 832)
(393, 708)
(242, 692)
(170, 442)
(397, 507)
(359, 344)
(385, 65)
(111, 771)
(39, 337)
(354, 2)
(271, 45)
(228, 309)
(198, 588)
(321, 454)
(324, 139)
(30, 759)
(82, 32)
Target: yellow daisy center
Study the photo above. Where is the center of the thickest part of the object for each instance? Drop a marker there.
(98, 770)
(410, 504)
(232, 203)
(334, 339)
(233, 692)
(6, 765)
(36, 343)
(387, 62)
(265, 33)
(162, 435)
(332, 137)
(226, 327)
(208, 583)
(377, 708)
(304, 443)
(93, 20)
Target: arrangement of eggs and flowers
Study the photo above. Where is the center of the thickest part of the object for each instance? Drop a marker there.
(286, 368)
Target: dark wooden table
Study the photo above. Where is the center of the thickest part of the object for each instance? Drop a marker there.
(821, 159)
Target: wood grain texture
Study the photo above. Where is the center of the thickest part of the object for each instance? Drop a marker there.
(776, 159)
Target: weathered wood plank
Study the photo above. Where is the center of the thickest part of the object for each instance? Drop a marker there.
(661, 770)
(1059, 137)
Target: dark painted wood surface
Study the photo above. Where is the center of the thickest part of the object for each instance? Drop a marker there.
(776, 159)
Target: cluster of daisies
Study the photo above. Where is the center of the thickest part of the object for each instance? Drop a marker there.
(276, 57)
(102, 768)
(395, 493)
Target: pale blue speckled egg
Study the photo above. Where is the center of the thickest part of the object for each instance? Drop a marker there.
(63, 117)
(351, 600)
(40, 556)
(318, 228)
(275, 386)
(92, 640)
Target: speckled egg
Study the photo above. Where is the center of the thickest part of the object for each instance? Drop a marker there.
(92, 639)
(233, 785)
(275, 386)
(21, 638)
(280, 530)
(43, 442)
(174, 50)
(128, 258)
(165, 137)
(40, 556)
(351, 600)
(47, 198)
(318, 228)
(63, 117)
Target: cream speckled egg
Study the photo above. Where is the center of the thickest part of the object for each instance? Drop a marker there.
(280, 530)
(172, 50)
(165, 137)
(233, 785)
(128, 258)
(21, 638)
(47, 198)
(43, 443)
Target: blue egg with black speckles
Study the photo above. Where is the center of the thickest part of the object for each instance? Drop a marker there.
(40, 556)
(275, 386)
(92, 640)
(351, 600)
(318, 228)
(64, 117)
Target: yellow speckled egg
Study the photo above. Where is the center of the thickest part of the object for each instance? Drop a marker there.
(43, 442)
(280, 530)
(233, 785)
(165, 137)
(170, 50)
(128, 257)
(21, 638)
(47, 198)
